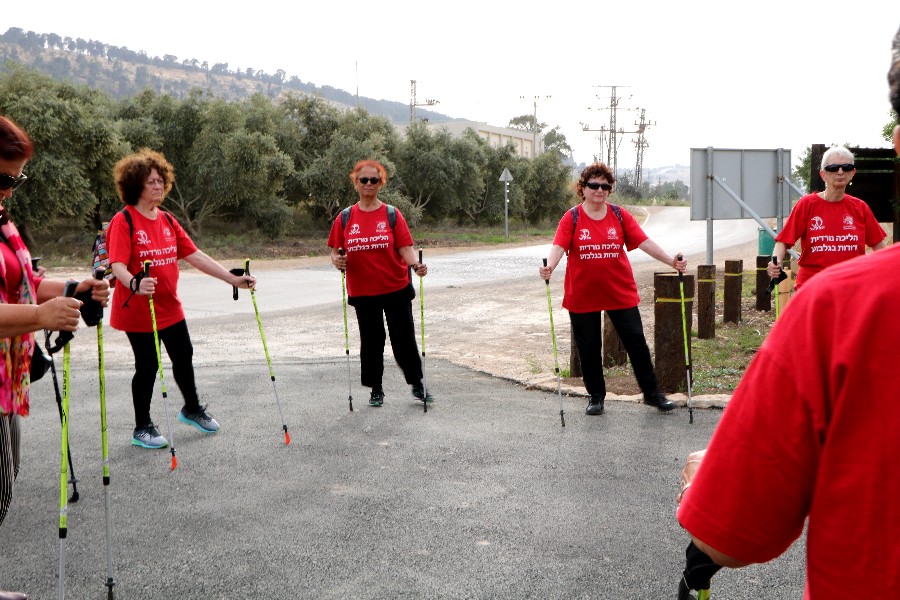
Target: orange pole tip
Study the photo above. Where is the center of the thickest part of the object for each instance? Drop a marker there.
(174, 463)
(287, 438)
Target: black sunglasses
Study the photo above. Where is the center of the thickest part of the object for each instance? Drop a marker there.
(598, 186)
(10, 182)
(846, 167)
(373, 180)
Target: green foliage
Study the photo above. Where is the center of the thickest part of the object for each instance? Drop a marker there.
(76, 145)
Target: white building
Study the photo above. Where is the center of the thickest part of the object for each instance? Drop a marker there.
(527, 145)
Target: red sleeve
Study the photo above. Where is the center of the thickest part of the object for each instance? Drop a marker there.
(402, 236)
(634, 235)
(795, 226)
(874, 231)
(186, 245)
(753, 491)
(118, 240)
(565, 231)
(336, 237)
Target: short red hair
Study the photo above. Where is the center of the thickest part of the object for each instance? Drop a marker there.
(14, 143)
(382, 172)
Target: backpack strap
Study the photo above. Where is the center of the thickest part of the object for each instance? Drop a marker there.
(617, 210)
(128, 220)
(391, 212)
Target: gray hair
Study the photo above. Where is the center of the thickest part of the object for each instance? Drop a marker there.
(835, 151)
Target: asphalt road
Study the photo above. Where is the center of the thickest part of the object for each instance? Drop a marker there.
(485, 496)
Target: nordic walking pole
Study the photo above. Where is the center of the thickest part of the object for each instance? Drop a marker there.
(104, 444)
(775, 260)
(562, 414)
(287, 436)
(687, 350)
(346, 333)
(64, 458)
(50, 351)
(162, 379)
(422, 322)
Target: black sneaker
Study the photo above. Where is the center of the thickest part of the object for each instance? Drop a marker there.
(658, 400)
(376, 399)
(420, 394)
(595, 406)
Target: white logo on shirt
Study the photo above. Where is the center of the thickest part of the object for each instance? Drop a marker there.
(381, 227)
(585, 235)
(354, 229)
(848, 222)
(611, 233)
(815, 224)
(142, 238)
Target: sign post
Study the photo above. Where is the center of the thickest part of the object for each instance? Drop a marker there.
(506, 177)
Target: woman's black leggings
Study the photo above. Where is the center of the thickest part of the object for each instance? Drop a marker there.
(397, 311)
(587, 331)
(177, 341)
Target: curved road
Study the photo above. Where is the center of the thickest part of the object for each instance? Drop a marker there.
(288, 289)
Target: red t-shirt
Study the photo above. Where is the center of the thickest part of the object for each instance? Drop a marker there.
(829, 232)
(374, 266)
(813, 431)
(598, 273)
(14, 275)
(162, 242)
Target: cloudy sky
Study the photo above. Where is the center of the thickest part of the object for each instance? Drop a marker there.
(758, 74)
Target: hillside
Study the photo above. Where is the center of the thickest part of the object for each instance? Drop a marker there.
(122, 73)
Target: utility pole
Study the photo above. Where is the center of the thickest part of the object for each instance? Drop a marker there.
(613, 146)
(413, 104)
(640, 145)
(534, 125)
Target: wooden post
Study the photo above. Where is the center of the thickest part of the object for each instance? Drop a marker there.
(763, 300)
(668, 334)
(574, 358)
(613, 350)
(734, 285)
(706, 302)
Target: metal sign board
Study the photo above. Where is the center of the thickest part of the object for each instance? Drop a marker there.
(506, 176)
(754, 175)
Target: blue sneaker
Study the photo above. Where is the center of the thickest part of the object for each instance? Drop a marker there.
(200, 419)
(148, 437)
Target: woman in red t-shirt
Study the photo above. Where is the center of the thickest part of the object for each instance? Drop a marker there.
(141, 231)
(378, 255)
(832, 226)
(599, 277)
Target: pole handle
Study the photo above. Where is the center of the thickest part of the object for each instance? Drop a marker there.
(34, 263)
(775, 260)
(341, 253)
(98, 274)
(69, 290)
(680, 273)
(547, 281)
(147, 264)
(420, 256)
